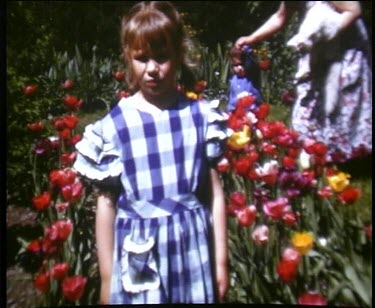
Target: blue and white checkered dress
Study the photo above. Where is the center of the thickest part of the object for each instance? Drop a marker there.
(163, 242)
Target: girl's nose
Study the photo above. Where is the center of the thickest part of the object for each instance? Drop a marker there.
(152, 66)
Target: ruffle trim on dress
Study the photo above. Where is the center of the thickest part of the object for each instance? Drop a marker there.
(112, 168)
(97, 159)
(94, 146)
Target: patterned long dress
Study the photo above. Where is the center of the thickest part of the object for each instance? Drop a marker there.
(162, 251)
(347, 130)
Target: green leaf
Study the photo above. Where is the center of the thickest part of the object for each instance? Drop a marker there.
(358, 286)
(78, 55)
(87, 257)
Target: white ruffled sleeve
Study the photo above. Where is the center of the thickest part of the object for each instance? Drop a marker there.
(99, 151)
(217, 132)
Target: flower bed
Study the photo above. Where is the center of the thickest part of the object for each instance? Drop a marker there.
(295, 233)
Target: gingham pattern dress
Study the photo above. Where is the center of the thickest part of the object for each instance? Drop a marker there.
(162, 250)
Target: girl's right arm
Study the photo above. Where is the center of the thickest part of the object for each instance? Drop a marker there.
(104, 230)
(275, 23)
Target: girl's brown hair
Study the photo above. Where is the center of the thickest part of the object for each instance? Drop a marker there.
(154, 26)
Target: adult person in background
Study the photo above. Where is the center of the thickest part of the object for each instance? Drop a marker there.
(334, 75)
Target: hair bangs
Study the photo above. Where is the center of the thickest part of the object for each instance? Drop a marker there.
(151, 33)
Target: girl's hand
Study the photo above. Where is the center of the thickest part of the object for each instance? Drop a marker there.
(222, 281)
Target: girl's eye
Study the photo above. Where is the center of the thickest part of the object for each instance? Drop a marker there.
(141, 58)
(161, 58)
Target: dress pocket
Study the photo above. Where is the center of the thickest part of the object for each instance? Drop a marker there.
(138, 266)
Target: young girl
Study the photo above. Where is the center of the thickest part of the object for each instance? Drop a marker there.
(246, 76)
(154, 242)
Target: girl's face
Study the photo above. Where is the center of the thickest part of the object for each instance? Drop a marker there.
(238, 68)
(155, 73)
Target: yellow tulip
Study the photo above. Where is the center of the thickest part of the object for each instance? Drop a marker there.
(191, 95)
(303, 242)
(339, 181)
(240, 138)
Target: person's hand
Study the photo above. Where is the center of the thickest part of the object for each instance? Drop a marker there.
(105, 289)
(241, 42)
(222, 281)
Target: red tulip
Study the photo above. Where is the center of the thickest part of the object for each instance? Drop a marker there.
(264, 64)
(368, 231)
(242, 165)
(246, 101)
(61, 207)
(293, 152)
(289, 163)
(253, 175)
(350, 195)
(237, 201)
(238, 198)
(70, 121)
(67, 159)
(253, 156)
(72, 102)
(34, 246)
(269, 148)
(262, 111)
(73, 287)
(30, 89)
(59, 231)
(119, 75)
(320, 160)
(236, 122)
(73, 192)
(75, 139)
(42, 201)
(312, 298)
(287, 270)
(61, 177)
(59, 270)
(200, 86)
(49, 246)
(289, 218)
(68, 84)
(325, 192)
(41, 282)
(35, 127)
(319, 148)
(246, 215)
(58, 123)
(223, 165)
(65, 133)
(276, 208)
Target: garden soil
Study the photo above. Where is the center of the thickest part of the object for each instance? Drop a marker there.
(20, 290)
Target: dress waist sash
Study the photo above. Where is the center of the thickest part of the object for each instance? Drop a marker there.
(152, 209)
